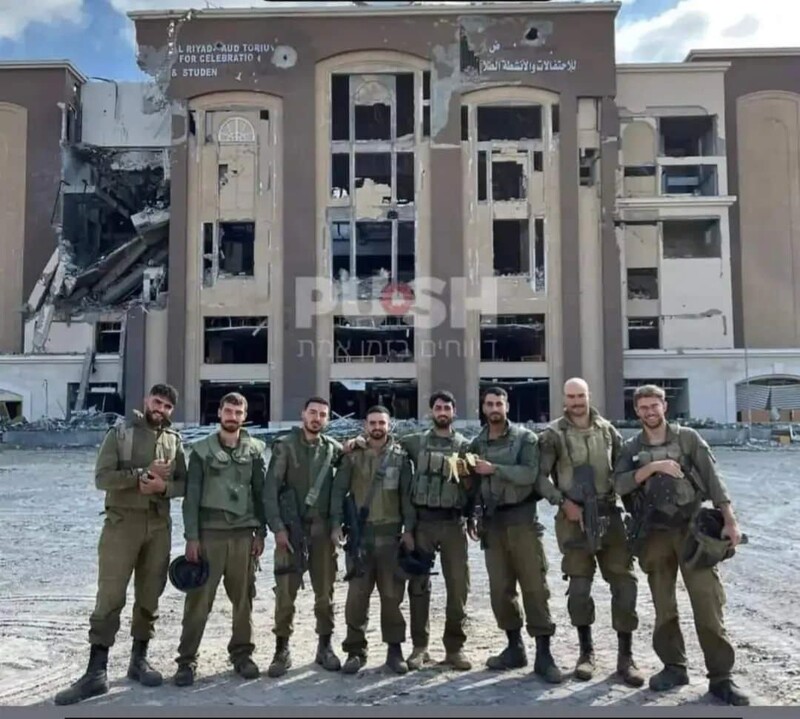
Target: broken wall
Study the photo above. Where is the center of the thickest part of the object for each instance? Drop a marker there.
(125, 114)
(566, 51)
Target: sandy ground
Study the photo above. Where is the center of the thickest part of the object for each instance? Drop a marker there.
(50, 521)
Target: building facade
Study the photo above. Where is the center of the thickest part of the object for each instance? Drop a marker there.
(369, 203)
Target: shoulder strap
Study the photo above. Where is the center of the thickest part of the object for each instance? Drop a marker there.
(124, 441)
(316, 488)
(377, 478)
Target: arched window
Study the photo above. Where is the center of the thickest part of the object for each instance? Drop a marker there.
(236, 129)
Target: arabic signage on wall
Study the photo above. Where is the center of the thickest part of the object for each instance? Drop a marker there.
(207, 60)
(529, 66)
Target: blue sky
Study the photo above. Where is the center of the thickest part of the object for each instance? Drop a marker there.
(96, 34)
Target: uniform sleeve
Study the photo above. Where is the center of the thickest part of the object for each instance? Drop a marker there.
(548, 455)
(706, 467)
(341, 485)
(406, 505)
(526, 471)
(338, 453)
(258, 483)
(176, 484)
(276, 476)
(107, 474)
(191, 504)
(623, 479)
(616, 444)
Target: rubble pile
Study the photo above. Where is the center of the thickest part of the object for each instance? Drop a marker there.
(90, 419)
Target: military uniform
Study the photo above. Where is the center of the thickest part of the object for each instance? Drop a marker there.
(440, 505)
(384, 477)
(135, 539)
(661, 555)
(564, 447)
(224, 511)
(307, 468)
(514, 552)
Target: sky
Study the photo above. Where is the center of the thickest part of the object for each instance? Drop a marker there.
(97, 36)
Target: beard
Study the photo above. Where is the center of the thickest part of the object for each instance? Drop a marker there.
(156, 419)
(377, 433)
(312, 427)
(231, 425)
(442, 422)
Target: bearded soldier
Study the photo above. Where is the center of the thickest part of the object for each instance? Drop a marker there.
(508, 468)
(665, 472)
(223, 517)
(579, 450)
(298, 496)
(140, 467)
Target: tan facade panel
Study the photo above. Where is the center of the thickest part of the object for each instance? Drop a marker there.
(641, 245)
(769, 210)
(13, 157)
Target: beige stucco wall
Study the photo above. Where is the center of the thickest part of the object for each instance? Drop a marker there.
(156, 329)
(13, 176)
(253, 194)
(769, 210)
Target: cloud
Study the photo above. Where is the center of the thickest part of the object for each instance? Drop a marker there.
(702, 24)
(16, 15)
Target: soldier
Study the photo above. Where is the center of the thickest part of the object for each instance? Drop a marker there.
(140, 466)
(582, 443)
(440, 501)
(678, 461)
(511, 536)
(302, 465)
(378, 478)
(224, 523)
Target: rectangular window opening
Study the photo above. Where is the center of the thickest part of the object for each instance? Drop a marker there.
(426, 85)
(691, 239)
(643, 283)
(236, 340)
(513, 338)
(538, 161)
(340, 248)
(587, 163)
(208, 252)
(539, 255)
(340, 107)
(107, 337)
(340, 175)
(482, 173)
(464, 123)
(237, 248)
(373, 250)
(695, 180)
(643, 333)
(506, 122)
(406, 252)
(373, 122)
(511, 245)
(374, 169)
(687, 136)
(508, 180)
(555, 119)
(405, 177)
(405, 104)
(373, 339)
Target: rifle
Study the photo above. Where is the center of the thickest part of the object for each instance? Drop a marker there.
(355, 521)
(644, 506)
(298, 542)
(584, 493)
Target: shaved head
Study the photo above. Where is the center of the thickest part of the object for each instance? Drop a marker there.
(576, 397)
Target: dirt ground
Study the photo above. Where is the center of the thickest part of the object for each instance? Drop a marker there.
(50, 521)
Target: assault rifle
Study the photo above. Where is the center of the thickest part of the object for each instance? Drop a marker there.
(355, 521)
(298, 542)
(584, 493)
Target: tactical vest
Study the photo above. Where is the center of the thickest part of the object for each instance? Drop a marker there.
(593, 446)
(227, 477)
(504, 450)
(317, 488)
(431, 486)
(687, 495)
(385, 505)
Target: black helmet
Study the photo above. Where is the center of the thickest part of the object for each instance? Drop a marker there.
(705, 546)
(416, 562)
(186, 575)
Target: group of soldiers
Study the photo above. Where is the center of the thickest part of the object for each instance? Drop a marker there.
(394, 503)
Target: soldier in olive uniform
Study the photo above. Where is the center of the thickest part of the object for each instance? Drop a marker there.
(379, 477)
(509, 471)
(141, 466)
(304, 460)
(581, 437)
(440, 503)
(664, 450)
(224, 523)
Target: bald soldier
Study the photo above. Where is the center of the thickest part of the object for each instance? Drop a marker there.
(578, 451)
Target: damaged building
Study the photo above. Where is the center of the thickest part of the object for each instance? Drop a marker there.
(370, 202)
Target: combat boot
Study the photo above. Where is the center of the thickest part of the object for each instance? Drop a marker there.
(354, 663)
(544, 665)
(626, 667)
(139, 668)
(727, 691)
(584, 669)
(418, 658)
(671, 676)
(184, 677)
(458, 660)
(246, 668)
(394, 659)
(326, 657)
(513, 656)
(93, 683)
(281, 660)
